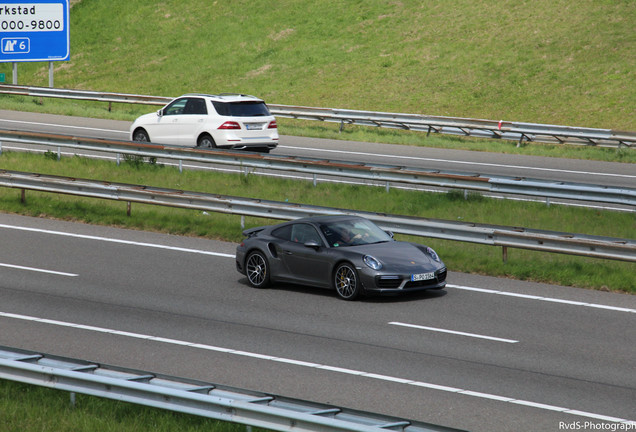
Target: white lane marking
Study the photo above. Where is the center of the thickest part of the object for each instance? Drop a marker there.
(33, 269)
(301, 363)
(540, 298)
(225, 255)
(64, 126)
(387, 156)
(111, 240)
(434, 329)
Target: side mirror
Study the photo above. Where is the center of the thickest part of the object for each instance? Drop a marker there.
(390, 233)
(160, 112)
(312, 244)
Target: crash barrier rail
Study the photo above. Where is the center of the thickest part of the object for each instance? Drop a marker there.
(522, 238)
(194, 397)
(493, 129)
(372, 172)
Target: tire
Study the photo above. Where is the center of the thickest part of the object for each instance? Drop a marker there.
(206, 141)
(257, 270)
(346, 282)
(141, 135)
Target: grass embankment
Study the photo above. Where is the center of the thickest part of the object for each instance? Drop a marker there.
(25, 408)
(545, 61)
(525, 265)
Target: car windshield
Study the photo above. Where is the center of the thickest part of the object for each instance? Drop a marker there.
(241, 109)
(353, 232)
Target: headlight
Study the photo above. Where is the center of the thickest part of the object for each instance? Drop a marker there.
(372, 262)
(433, 254)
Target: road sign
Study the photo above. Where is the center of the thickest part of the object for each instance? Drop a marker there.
(34, 31)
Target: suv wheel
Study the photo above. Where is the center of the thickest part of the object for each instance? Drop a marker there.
(206, 141)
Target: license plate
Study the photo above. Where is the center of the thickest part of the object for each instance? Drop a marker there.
(422, 276)
(254, 126)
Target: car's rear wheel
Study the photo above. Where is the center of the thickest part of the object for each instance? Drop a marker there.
(206, 141)
(141, 135)
(346, 282)
(257, 270)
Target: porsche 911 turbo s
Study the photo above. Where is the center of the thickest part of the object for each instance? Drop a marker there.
(347, 253)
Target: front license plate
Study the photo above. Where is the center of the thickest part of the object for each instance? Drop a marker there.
(422, 276)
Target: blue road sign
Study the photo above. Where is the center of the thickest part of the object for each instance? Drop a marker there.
(34, 31)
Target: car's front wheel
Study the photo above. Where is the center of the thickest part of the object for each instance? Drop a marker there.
(346, 282)
(206, 141)
(141, 135)
(257, 270)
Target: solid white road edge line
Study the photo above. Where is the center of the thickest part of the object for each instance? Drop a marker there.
(33, 269)
(219, 254)
(111, 240)
(540, 298)
(65, 126)
(439, 330)
(334, 369)
(385, 156)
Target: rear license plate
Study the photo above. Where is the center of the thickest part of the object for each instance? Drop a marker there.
(422, 276)
(254, 126)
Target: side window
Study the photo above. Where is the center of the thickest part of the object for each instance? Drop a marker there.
(195, 106)
(283, 233)
(302, 233)
(176, 107)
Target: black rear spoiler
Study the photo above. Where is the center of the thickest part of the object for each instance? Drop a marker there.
(252, 231)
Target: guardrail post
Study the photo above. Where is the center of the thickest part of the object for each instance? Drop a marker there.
(180, 166)
(59, 153)
(117, 158)
(128, 208)
(23, 196)
(0, 148)
(504, 252)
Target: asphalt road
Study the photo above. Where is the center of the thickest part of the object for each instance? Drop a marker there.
(567, 170)
(485, 354)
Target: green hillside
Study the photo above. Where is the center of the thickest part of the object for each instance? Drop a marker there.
(546, 61)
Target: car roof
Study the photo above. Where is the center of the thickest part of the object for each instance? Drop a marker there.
(226, 97)
(327, 218)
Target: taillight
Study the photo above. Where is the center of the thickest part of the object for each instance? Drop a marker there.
(230, 125)
(272, 125)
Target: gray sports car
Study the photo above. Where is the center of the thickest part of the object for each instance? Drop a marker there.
(347, 253)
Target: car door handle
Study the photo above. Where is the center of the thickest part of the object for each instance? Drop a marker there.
(288, 252)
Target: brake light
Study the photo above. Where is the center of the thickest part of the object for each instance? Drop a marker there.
(230, 125)
(272, 125)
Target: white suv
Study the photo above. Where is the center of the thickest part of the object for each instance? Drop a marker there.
(198, 120)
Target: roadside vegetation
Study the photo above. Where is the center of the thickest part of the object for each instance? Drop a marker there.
(31, 408)
(544, 61)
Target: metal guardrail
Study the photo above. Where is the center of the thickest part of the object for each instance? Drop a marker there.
(195, 397)
(493, 235)
(372, 172)
(493, 129)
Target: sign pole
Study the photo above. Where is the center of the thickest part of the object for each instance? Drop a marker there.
(15, 73)
(51, 74)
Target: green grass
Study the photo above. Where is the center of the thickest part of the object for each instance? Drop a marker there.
(25, 408)
(526, 265)
(545, 61)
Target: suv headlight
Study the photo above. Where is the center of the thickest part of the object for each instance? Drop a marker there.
(372, 262)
